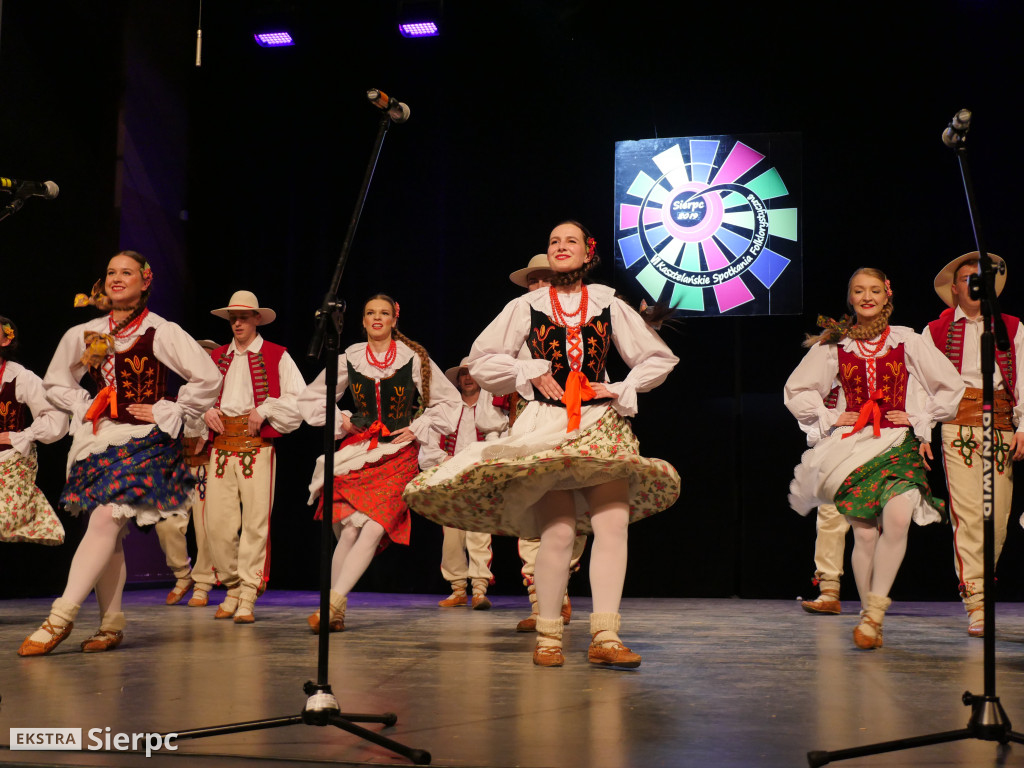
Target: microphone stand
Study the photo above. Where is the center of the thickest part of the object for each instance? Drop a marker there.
(988, 719)
(12, 208)
(321, 705)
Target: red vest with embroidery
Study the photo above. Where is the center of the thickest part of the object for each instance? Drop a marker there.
(948, 338)
(138, 377)
(264, 372)
(448, 441)
(890, 377)
(14, 416)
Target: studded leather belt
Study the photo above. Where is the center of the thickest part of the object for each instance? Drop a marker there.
(235, 437)
(969, 414)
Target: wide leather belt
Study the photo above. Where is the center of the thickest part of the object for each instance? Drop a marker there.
(969, 413)
(234, 438)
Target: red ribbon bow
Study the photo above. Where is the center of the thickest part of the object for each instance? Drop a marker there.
(577, 390)
(106, 396)
(374, 431)
(869, 410)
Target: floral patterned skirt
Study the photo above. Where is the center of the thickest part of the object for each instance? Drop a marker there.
(870, 487)
(376, 491)
(25, 514)
(493, 487)
(147, 472)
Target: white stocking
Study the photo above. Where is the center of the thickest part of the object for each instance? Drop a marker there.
(865, 539)
(111, 582)
(94, 553)
(556, 514)
(609, 515)
(892, 544)
(347, 536)
(356, 558)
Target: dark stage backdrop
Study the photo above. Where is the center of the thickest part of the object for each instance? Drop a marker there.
(243, 174)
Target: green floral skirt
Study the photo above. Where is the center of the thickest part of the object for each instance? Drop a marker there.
(869, 487)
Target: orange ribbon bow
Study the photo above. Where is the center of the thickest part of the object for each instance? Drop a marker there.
(105, 397)
(869, 410)
(577, 390)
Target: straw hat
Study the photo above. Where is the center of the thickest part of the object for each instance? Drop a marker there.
(537, 263)
(208, 344)
(944, 280)
(452, 374)
(242, 301)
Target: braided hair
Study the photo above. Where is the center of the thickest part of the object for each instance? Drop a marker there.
(847, 326)
(8, 330)
(416, 347)
(568, 278)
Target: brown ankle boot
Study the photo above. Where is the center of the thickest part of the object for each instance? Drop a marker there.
(108, 636)
(868, 634)
(338, 603)
(54, 630)
(827, 602)
(975, 607)
(456, 598)
(606, 649)
(548, 652)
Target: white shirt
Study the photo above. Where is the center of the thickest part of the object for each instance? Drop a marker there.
(482, 416)
(48, 424)
(237, 397)
(441, 416)
(494, 361)
(172, 346)
(970, 360)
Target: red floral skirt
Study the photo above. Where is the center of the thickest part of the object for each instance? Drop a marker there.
(376, 491)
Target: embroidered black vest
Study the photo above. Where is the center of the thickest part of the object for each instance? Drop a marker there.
(547, 342)
(391, 400)
(14, 416)
(139, 377)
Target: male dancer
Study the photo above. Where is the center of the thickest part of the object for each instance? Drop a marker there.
(257, 403)
(829, 543)
(957, 333)
(479, 419)
(171, 530)
(537, 274)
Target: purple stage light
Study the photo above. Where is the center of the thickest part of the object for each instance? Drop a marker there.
(273, 39)
(418, 29)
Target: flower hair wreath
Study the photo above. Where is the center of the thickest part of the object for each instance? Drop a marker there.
(8, 331)
(888, 289)
(591, 246)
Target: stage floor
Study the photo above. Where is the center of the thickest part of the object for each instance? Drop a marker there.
(723, 683)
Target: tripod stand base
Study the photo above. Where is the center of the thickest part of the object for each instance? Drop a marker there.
(988, 723)
(321, 710)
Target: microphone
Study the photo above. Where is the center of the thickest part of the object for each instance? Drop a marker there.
(46, 189)
(956, 133)
(397, 111)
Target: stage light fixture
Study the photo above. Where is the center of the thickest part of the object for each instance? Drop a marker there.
(273, 39)
(419, 18)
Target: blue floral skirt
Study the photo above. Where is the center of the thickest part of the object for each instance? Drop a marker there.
(147, 471)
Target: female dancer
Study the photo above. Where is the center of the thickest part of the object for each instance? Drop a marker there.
(25, 514)
(896, 388)
(565, 466)
(126, 459)
(378, 456)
